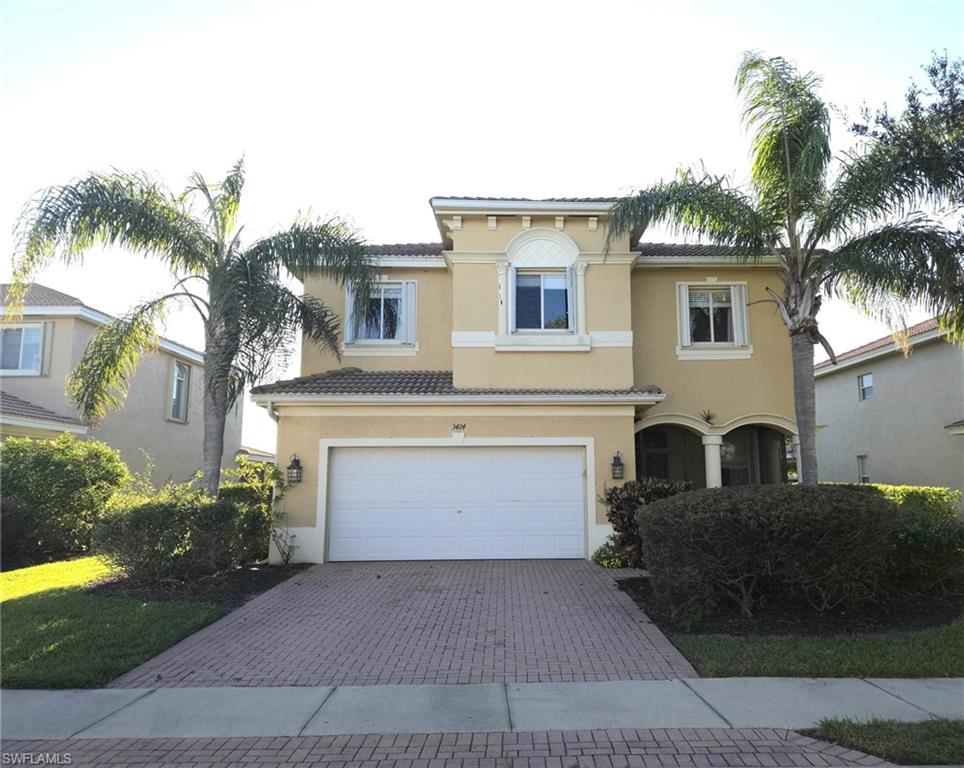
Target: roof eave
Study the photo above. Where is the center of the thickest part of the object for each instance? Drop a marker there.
(457, 205)
(266, 399)
(874, 354)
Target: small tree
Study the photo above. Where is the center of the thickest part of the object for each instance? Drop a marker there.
(238, 290)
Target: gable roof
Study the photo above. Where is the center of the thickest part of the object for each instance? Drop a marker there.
(10, 405)
(883, 345)
(392, 385)
(41, 296)
(42, 300)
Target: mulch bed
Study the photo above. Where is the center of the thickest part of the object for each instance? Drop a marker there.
(230, 590)
(893, 614)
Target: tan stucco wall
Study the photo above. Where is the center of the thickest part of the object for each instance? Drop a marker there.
(141, 422)
(730, 388)
(301, 427)
(433, 325)
(475, 235)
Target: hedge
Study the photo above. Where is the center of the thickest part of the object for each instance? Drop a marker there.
(922, 499)
(54, 493)
(748, 547)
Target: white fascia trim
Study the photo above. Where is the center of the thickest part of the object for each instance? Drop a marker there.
(955, 430)
(435, 262)
(707, 353)
(513, 399)
(44, 424)
(890, 349)
(100, 318)
(461, 205)
(676, 261)
(539, 343)
(379, 350)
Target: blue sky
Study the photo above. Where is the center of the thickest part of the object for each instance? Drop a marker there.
(368, 109)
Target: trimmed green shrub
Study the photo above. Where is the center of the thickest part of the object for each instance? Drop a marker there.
(609, 555)
(918, 499)
(253, 487)
(623, 502)
(179, 534)
(54, 493)
(822, 547)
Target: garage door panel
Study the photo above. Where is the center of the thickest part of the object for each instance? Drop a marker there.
(456, 503)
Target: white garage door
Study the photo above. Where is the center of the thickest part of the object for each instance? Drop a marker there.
(456, 503)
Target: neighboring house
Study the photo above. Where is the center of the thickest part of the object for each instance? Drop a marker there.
(498, 381)
(162, 414)
(883, 417)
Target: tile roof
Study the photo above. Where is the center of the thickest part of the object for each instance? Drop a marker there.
(529, 199)
(411, 250)
(11, 405)
(882, 343)
(953, 424)
(684, 250)
(354, 381)
(42, 296)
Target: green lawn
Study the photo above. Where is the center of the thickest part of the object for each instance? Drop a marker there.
(56, 635)
(936, 652)
(932, 742)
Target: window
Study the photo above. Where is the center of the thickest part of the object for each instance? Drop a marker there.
(862, 476)
(542, 301)
(865, 386)
(388, 317)
(180, 383)
(20, 348)
(712, 317)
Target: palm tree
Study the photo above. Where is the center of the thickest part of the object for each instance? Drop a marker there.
(857, 237)
(238, 290)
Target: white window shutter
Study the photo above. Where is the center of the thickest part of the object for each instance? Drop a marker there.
(570, 297)
(411, 316)
(683, 312)
(739, 314)
(349, 314)
(47, 349)
(511, 299)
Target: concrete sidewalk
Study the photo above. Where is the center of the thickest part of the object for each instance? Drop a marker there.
(294, 711)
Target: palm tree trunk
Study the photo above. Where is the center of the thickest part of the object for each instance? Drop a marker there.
(215, 417)
(805, 406)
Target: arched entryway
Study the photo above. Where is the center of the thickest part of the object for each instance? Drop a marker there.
(741, 452)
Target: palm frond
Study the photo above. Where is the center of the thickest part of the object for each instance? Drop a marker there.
(891, 180)
(221, 200)
(917, 260)
(101, 379)
(704, 206)
(329, 249)
(791, 132)
(127, 210)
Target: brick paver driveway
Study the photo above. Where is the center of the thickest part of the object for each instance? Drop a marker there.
(425, 622)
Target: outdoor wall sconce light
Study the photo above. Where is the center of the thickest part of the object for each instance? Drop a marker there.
(294, 469)
(619, 469)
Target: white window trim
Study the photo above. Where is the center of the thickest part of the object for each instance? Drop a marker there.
(861, 388)
(187, 392)
(542, 272)
(739, 349)
(40, 358)
(862, 471)
(384, 347)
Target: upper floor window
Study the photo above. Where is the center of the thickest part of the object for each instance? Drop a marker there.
(543, 300)
(180, 386)
(20, 349)
(865, 386)
(712, 317)
(387, 318)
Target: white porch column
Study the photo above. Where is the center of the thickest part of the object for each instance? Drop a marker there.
(795, 442)
(503, 269)
(714, 470)
(581, 297)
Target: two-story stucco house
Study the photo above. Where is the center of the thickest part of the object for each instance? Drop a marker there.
(884, 417)
(162, 414)
(499, 380)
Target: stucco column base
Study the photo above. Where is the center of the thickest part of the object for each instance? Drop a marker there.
(714, 470)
